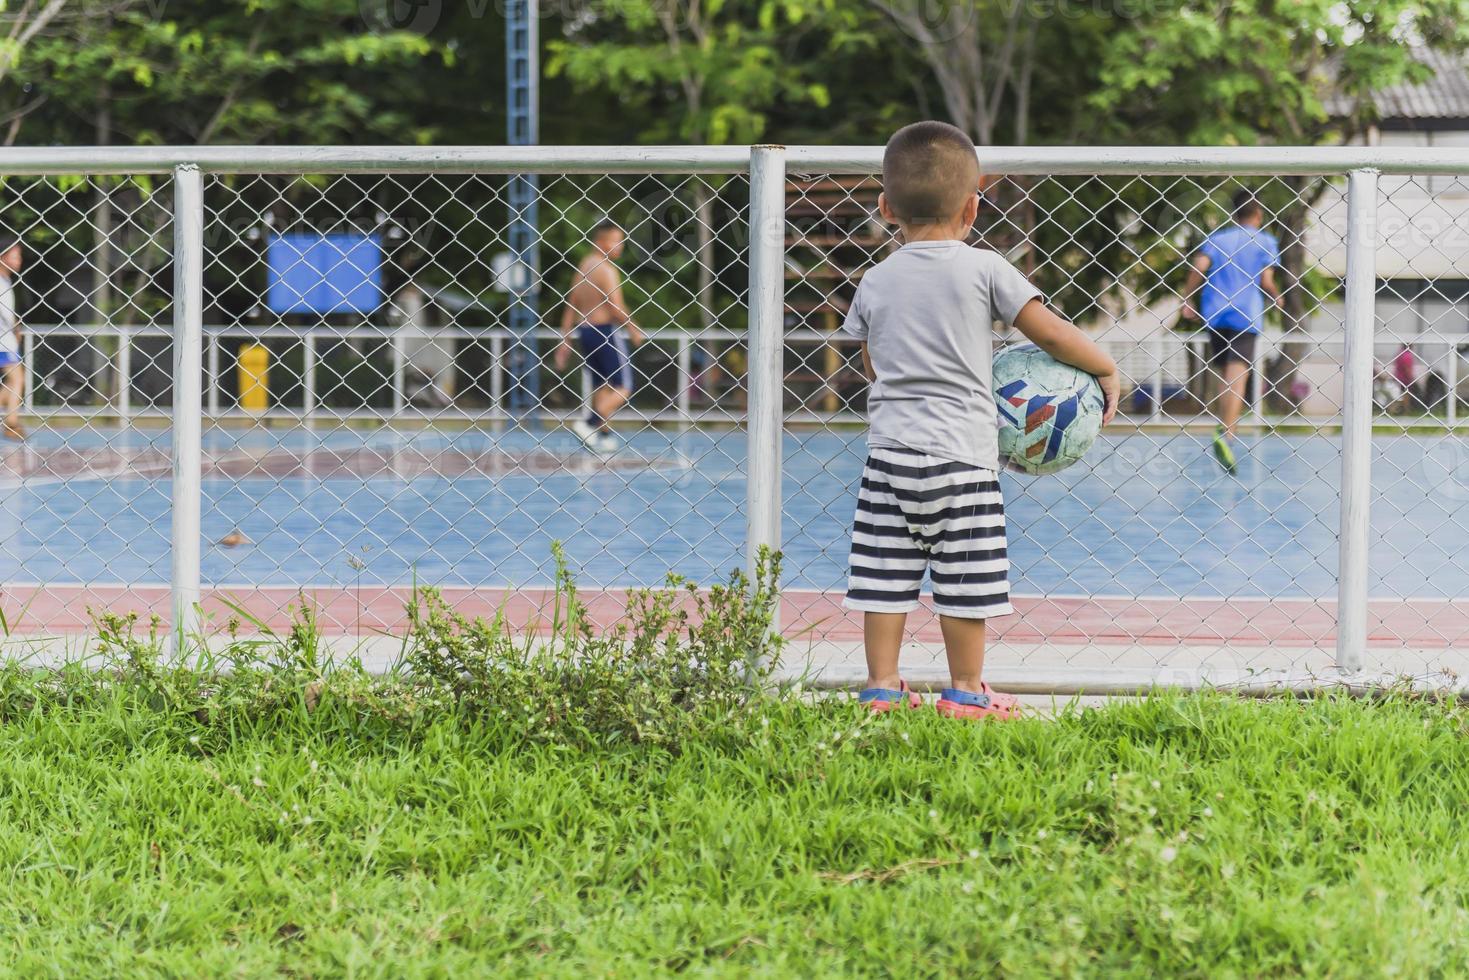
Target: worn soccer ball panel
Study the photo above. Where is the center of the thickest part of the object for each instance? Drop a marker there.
(1049, 413)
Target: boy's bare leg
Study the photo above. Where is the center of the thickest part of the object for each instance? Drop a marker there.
(11, 398)
(1231, 403)
(882, 636)
(964, 643)
(606, 401)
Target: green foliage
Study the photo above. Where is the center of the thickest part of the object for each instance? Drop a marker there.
(228, 71)
(720, 67)
(1207, 72)
(680, 661)
(680, 664)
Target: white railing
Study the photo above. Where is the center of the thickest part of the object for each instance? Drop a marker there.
(1150, 365)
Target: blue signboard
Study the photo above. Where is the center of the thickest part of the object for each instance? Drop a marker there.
(313, 273)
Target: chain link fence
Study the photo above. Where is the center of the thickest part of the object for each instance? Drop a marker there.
(298, 378)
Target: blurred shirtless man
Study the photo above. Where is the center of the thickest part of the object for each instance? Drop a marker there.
(596, 311)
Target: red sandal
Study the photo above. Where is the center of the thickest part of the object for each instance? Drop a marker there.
(1009, 702)
(880, 699)
(954, 703)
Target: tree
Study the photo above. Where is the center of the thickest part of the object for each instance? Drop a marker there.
(230, 71)
(1232, 73)
(1271, 71)
(982, 55)
(25, 23)
(697, 71)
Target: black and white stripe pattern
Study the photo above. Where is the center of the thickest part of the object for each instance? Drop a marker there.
(918, 513)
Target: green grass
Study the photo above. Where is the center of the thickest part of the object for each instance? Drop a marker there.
(325, 835)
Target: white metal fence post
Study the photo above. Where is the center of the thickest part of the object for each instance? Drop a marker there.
(308, 380)
(685, 378)
(1356, 454)
(124, 373)
(188, 353)
(1452, 409)
(400, 381)
(1160, 361)
(28, 355)
(767, 343)
(215, 381)
(497, 377)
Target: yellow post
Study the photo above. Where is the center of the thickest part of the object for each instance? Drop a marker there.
(254, 375)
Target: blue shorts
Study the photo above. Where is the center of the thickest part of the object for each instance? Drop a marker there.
(608, 360)
(7, 359)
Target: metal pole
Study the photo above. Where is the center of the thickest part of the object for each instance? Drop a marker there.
(124, 373)
(188, 343)
(1160, 357)
(1041, 161)
(1356, 457)
(308, 379)
(522, 86)
(497, 378)
(767, 341)
(28, 354)
(1453, 385)
(685, 379)
(400, 381)
(214, 379)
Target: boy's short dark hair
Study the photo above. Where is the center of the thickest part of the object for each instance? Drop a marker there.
(604, 226)
(1245, 205)
(929, 169)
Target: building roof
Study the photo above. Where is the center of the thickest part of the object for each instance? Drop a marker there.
(1443, 96)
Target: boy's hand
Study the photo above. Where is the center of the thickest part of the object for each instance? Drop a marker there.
(562, 357)
(1042, 327)
(635, 334)
(1111, 395)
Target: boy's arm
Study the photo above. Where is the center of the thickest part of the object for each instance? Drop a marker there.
(563, 349)
(618, 303)
(568, 320)
(867, 364)
(1196, 270)
(1267, 283)
(1063, 341)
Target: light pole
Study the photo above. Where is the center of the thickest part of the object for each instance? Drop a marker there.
(522, 76)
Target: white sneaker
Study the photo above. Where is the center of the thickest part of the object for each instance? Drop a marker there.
(606, 443)
(586, 433)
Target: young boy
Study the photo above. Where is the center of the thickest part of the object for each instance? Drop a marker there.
(596, 308)
(1236, 268)
(12, 367)
(930, 499)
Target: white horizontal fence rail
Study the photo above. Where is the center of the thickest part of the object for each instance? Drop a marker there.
(1038, 161)
(110, 160)
(1155, 357)
(787, 385)
(1055, 161)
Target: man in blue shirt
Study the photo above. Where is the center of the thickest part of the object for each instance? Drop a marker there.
(1236, 268)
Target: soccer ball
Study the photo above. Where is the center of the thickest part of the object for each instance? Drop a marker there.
(1049, 413)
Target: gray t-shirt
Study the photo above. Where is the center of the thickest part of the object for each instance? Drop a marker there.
(927, 312)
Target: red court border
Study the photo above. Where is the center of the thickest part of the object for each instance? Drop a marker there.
(805, 615)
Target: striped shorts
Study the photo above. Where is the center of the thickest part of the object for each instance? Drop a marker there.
(918, 513)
